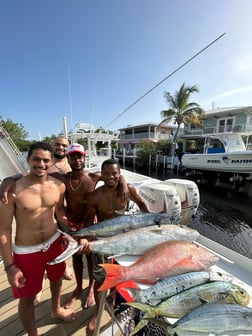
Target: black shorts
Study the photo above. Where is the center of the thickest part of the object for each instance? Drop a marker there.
(98, 272)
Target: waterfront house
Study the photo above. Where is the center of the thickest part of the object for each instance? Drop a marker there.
(218, 120)
(131, 136)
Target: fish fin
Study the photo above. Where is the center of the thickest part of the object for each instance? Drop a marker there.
(183, 262)
(125, 289)
(202, 300)
(138, 327)
(114, 256)
(145, 281)
(140, 306)
(153, 302)
(114, 276)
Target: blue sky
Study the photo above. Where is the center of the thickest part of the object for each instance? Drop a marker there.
(88, 60)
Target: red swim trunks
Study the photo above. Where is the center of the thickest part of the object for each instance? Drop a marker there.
(34, 264)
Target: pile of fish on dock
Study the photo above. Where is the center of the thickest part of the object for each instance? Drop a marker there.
(177, 274)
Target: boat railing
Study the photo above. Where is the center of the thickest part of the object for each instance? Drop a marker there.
(11, 149)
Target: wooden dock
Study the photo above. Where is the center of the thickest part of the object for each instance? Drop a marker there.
(10, 324)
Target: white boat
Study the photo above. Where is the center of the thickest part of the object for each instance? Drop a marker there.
(88, 132)
(223, 152)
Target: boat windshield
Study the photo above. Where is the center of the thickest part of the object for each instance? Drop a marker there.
(232, 142)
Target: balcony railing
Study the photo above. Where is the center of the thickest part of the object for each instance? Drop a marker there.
(144, 135)
(220, 129)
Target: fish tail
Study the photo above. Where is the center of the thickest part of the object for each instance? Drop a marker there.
(124, 290)
(114, 276)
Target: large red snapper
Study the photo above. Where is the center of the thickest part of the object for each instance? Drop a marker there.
(163, 260)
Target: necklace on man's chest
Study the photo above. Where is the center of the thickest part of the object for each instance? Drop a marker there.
(58, 167)
(78, 185)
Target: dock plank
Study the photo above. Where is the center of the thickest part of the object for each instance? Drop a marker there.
(10, 323)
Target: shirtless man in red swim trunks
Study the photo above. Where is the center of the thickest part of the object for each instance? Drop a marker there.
(79, 183)
(38, 197)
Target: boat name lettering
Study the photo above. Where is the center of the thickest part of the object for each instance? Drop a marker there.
(147, 198)
(241, 161)
(213, 161)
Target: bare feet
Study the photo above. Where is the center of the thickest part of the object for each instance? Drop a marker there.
(91, 326)
(73, 297)
(69, 273)
(67, 315)
(89, 301)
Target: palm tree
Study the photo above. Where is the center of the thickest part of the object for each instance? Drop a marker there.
(180, 110)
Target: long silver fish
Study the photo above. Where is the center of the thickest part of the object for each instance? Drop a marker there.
(215, 318)
(182, 303)
(72, 247)
(173, 285)
(137, 241)
(120, 224)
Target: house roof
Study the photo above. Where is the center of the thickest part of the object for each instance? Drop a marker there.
(223, 110)
(147, 124)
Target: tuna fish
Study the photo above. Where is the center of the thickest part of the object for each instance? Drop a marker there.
(125, 223)
(138, 241)
(214, 318)
(165, 259)
(182, 303)
(170, 286)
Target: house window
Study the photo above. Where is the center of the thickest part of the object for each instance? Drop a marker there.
(226, 125)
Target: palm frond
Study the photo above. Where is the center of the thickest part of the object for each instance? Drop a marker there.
(181, 110)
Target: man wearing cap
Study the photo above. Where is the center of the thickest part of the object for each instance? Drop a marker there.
(79, 183)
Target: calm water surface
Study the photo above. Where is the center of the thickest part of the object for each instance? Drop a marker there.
(224, 215)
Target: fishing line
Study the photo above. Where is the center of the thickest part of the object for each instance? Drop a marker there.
(155, 86)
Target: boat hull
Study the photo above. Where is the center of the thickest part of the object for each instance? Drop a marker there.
(240, 162)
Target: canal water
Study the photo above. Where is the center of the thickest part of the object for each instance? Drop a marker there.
(224, 215)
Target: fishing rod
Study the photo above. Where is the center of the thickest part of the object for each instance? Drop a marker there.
(163, 80)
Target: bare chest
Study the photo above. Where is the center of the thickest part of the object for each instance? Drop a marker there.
(111, 203)
(36, 197)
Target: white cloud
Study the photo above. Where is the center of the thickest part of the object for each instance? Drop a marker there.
(227, 94)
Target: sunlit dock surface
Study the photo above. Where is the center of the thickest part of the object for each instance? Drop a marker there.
(10, 324)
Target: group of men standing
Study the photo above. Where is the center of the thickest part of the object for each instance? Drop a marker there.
(57, 191)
